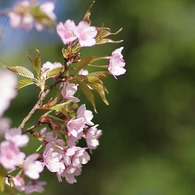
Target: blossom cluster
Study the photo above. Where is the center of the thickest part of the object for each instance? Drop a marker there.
(66, 134)
(26, 14)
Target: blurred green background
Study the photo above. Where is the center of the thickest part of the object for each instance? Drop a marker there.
(148, 141)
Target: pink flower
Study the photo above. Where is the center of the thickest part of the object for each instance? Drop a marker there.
(86, 34)
(86, 114)
(48, 9)
(52, 160)
(19, 182)
(24, 15)
(68, 90)
(35, 186)
(69, 32)
(4, 125)
(15, 135)
(116, 63)
(75, 127)
(66, 31)
(10, 155)
(32, 168)
(74, 158)
(80, 157)
(20, 16)
(92, 137)
(8, 83)
(49, 66)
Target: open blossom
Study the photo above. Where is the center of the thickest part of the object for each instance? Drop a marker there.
(15, 135)
(10, 155)
(116, 63)
(86, 114)
(31, 167)
(69, 32)
(35, 186)
(86, 34)
(66, 31)
(68, 90)
(18, 182)
(76, 126)
(52, 160)
(50, 66)
(8, 83)
(24, 15)
(74, 158)
(20, 16)
(92, 136)
(48, 9)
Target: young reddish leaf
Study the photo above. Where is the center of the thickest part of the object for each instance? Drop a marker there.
(88, 94)
(24, 82)
(36, 62)
(22, 71)
(87, 15)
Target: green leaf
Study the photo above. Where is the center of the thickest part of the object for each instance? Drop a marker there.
(88, 94)
(54, 72)
(2, 179)
(22, 71)
(100, 89)
(24, 82)
(99, 74)
(86, 61)
(96, 83)
(36, 62)
(104, 32)
(61, 107)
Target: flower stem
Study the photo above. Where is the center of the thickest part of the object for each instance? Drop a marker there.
(40, 101)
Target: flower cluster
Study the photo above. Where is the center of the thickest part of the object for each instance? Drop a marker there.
(65, 130)
(26, 14)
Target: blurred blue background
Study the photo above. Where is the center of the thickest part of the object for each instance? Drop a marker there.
(148, 141)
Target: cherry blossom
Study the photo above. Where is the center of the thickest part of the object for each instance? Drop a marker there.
(8, 83)
(92, 136)
(116, 63)
(15, 135)
(52, 160)
(68, 90)
(66, 31)
(50, 66)
(35, 186)
(18, 181)
(74, 158)
(24, 15)
(48, 9)
(69, 32)
(86, 34)
(86, 114)
(20, 16)
(76, 126)
(32, 168)
(4, 125)
(10, 155)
